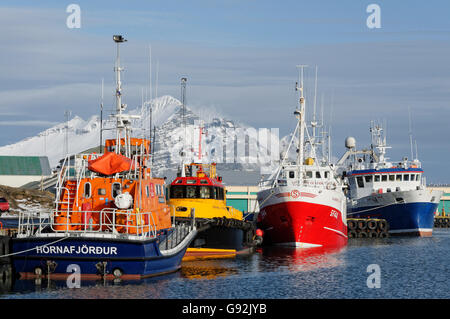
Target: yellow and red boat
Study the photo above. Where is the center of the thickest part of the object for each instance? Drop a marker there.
(222, 230)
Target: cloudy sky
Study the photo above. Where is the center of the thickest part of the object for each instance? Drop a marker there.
(239, 57)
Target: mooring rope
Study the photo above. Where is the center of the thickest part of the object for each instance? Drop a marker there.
(27, 250)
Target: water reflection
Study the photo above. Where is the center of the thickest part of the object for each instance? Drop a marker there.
(207, 269)
(275, 258)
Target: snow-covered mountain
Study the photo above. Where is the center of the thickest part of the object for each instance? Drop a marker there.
(233, 145)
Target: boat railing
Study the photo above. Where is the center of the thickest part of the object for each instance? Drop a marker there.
(179, 233)
(105, 221)
(329, 183)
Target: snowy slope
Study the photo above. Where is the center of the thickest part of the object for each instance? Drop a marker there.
(232, 145)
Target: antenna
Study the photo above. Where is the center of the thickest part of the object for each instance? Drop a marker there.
(183, 109)
(157, 71)
(321, 111)
(67, 114)
(314, 123)
(410, 133)
(101, 121)
(150, 105)
(150, 71)
(417, 155)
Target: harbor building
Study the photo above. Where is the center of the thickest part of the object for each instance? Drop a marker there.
(243, 198)
(16, 171)
(445, 199)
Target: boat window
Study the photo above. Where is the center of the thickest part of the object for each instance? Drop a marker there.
(318, 175)
(214, 193)
(87, 190)
(417, 177)
(360, 181)
(384, 178)
(116, 189)
(190, 181)
(368, 178)
(391, 177)
(205, 192)
(101, 191)
(291, 174)
(398, 177)
(203, 181)
(147, 192)
(308, 174)
(176, 192)
(158, 190)
(406, 178)
(220, 193)
(388, 190)
(190, 192)
(376, 178)
(179, 181)
(326, 174)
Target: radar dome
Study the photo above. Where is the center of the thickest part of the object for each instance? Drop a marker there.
(350, 142)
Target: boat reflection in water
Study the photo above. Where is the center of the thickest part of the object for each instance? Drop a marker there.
(207, 269)
(276, 258)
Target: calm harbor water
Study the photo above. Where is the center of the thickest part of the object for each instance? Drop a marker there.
(410, 268)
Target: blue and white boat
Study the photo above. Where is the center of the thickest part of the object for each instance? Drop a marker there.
(111, 219)
(395, 192)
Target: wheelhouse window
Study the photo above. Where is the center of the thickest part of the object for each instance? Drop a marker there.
(398, 177)
(384, 178)
(376, 178)
(368, 178)
(327, 174)
(391, 177)
(177, 191)
(291, 174)
(359, 181)
(318, 175)
(192, 191)
(205, 192)
(309, 174)
(220, 193)
(406, 177)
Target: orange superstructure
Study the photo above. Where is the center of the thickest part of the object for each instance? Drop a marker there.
(118, 194)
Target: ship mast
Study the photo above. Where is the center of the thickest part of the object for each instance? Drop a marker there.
(300, 114)
(122, 120)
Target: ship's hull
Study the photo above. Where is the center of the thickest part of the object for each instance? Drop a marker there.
(303, 217)
(60, 256)
(407, 212)
(219, 242)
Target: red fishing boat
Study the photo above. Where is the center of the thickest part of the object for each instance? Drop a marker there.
(303, 204)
